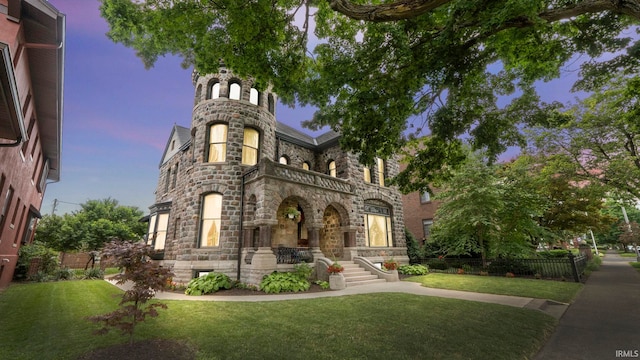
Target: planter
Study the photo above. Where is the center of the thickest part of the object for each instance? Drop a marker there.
(337, 282)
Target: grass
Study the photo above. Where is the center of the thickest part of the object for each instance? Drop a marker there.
(47, 321)
(627, 254)
(541, 289)
(635, 265)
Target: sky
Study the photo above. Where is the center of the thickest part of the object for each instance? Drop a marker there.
(118, 115)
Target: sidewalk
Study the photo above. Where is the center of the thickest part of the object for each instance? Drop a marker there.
(551, 308)
(604, 320)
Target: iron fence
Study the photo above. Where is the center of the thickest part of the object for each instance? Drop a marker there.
(291, 255)
(569, 268)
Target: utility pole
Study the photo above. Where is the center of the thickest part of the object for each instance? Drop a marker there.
(55, 205)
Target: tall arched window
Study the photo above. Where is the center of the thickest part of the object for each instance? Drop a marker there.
(254, 96)
(250, 146)
(331, 168)
(217, 143)
(380, 170)
(234, 91)
(210, 220)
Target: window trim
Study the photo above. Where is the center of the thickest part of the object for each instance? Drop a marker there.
(218, 212)
(224, 142)
(246, 146)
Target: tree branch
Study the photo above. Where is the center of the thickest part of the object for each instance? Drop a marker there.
(408, 9)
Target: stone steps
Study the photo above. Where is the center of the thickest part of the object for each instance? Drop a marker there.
(354, 275)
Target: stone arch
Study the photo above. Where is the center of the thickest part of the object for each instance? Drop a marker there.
(291, 229)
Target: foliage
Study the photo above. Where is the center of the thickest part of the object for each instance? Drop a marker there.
(486, 213)
(93, 273)
(335, 268)
(596, 141)
(413, 270)
(553, 254)
(49, 260)
(509, 266)
(97, 222)
(466, 68)
(413, 249)
(323, 284)
(278, 282)
(630, 234)
(390, 264)
(65, 274)
(147, 278)
(208, 284)
(613, 209)
(303, 270)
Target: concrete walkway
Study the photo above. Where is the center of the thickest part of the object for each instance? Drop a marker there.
(603, 322)
(390, 287)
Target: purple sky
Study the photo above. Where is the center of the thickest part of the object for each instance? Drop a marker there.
(118, 116)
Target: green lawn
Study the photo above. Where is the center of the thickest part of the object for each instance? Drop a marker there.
(627, 254)
(635, 265)
(541, 289)
(46, 321)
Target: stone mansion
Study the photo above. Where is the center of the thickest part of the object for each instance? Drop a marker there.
(243, 194)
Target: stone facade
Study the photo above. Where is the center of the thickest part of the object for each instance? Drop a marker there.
(253, 226)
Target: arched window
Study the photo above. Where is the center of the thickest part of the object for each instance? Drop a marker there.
(213, 91)
(306, 166)
(425, 197)
(380, 171)
(210, 220)
(377, 224)
(217, 143)
(254, 96)
(284, 160)
(331, 168)
(250, 146)
(234, 91)
(367, 174)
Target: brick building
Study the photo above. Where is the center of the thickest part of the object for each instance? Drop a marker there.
(243, 194)
(32, 36)
(419, 209)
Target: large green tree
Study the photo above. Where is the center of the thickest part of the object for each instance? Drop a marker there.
(598, 139)
(377, 70)
(96, 223)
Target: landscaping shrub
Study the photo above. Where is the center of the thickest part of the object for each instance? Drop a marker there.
(413, 249)
(49, 261)
(208, 284)
(303, 270)
(554, 254)
(503, 266)
(413, 270)
(93, 273)
(65, 274)
(278, 282)
(437, 264)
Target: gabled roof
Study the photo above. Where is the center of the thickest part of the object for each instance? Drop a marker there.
(182, 137)
(297, 137)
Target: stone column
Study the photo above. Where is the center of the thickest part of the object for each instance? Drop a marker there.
(350, 250)
(314, 242)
